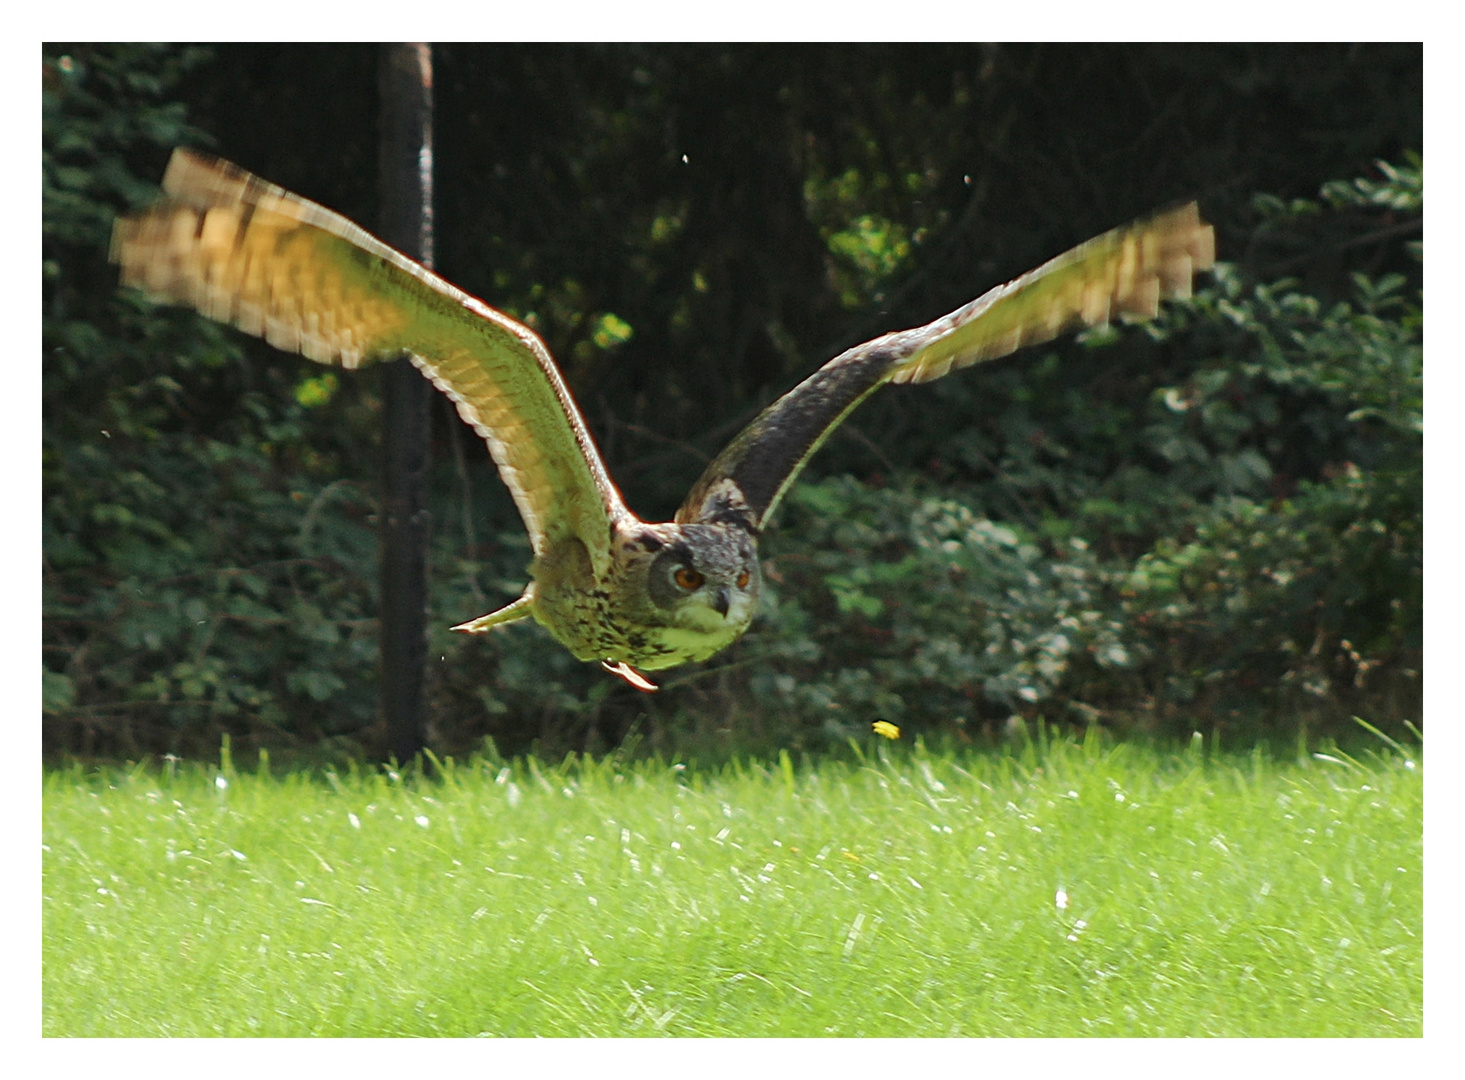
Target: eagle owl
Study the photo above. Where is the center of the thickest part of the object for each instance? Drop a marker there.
(612, 588)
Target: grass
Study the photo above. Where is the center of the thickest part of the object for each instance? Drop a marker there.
(1077, 889)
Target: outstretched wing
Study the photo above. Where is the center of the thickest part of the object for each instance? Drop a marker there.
(277, 266)
(1124, 273)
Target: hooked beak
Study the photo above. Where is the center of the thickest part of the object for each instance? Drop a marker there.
(722, 601)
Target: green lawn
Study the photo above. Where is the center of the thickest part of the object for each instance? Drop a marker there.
(1076, 890)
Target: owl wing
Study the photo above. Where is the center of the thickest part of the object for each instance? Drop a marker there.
(1124, 273)
(245, 252)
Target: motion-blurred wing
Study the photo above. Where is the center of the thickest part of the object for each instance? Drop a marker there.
(1124, 273)
(245, 252)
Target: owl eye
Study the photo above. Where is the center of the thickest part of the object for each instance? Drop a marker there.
(688, 578)
(743, 580)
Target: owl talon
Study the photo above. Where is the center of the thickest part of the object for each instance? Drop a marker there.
(630, 674)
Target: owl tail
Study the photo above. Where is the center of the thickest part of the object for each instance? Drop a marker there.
(522, 608)
(519, 609)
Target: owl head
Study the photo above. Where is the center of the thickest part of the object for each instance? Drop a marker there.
(697, 585)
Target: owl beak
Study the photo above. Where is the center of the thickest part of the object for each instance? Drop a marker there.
(722, 601)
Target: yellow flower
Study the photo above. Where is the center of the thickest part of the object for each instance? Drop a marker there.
(886, 728)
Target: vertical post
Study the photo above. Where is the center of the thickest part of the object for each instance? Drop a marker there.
(404, 81)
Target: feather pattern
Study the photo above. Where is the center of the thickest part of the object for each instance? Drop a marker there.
(245, 252)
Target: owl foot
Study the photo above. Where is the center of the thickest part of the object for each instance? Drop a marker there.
(630, 674)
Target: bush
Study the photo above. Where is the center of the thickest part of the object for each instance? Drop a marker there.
(199, 552)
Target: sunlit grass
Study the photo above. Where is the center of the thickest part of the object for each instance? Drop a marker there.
(1107, 890)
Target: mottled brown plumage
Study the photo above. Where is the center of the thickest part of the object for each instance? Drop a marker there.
(608, 585)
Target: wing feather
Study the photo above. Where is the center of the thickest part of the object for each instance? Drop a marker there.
(1123, 273)
(245, 252)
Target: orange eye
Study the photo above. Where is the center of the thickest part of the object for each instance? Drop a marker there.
(688, 578)
(743, 580)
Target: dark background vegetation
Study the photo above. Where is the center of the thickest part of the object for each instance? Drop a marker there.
(1213, 523)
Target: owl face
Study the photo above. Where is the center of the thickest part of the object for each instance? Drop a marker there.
(705, 577)
(693, 588)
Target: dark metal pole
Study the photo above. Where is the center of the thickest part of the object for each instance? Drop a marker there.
(404, 80)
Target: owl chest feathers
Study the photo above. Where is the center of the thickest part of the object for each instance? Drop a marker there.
(669, 594)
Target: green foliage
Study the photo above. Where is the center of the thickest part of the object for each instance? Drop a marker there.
(198, 551)
(900, 606)
(1058, 889)
(869, 250)
(1311, 600)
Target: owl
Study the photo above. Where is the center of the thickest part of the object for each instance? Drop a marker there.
(632, 595)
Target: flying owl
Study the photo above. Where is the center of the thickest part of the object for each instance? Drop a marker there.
(631, 594)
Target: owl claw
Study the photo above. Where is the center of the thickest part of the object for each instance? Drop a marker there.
(630, 674)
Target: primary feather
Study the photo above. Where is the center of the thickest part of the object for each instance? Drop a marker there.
(245, 252)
